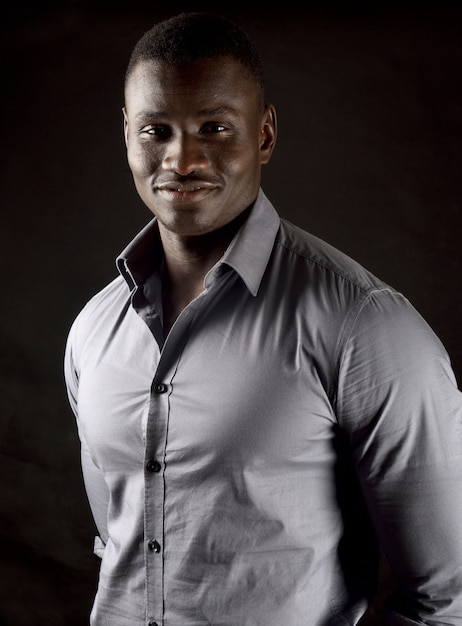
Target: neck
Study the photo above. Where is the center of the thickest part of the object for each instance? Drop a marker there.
(191, 257)
(187, 259)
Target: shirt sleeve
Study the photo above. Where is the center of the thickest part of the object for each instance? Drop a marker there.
(399, 404)
(71, 377)
(95, 485)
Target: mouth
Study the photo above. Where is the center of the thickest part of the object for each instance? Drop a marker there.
(175, 191)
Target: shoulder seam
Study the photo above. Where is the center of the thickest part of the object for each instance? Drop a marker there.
(361, 287)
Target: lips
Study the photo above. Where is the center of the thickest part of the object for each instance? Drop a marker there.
(187, 187)
(184, 191)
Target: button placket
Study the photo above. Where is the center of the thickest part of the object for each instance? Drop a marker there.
(156, 442)
(154, 496)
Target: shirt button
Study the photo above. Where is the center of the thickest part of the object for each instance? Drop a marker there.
(153, 466)
(154, 546)
(160, 388)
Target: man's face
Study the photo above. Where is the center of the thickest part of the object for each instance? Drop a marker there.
(196, 138)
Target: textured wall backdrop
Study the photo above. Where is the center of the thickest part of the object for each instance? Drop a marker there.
(368, 158)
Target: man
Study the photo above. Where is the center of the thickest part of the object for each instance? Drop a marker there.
(257, 412)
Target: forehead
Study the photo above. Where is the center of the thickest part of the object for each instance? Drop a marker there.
(215, 80)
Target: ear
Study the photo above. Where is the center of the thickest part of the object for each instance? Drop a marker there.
(268, 133)
(124, 111)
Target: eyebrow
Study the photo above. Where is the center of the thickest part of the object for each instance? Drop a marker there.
(212, 112)
(150, 115)
(222, 110)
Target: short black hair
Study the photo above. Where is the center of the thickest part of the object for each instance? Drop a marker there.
(190, 36)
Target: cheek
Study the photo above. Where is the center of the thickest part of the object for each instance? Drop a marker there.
(241, 160)
(141, 162)
(245, 164)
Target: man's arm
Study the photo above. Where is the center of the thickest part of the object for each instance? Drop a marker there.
(95, 485)
(399, 403)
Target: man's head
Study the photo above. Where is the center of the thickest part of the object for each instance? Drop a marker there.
(188, 37)
(196, 126)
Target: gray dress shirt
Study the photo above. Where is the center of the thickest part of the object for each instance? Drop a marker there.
(242, 470)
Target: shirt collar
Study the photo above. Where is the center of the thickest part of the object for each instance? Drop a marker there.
(247, 254)
(249, 251)
(137, 261)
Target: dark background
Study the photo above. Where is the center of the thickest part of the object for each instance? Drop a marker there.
(368, 158)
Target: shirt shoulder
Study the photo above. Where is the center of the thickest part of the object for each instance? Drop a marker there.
(100, 310)
(323, 257)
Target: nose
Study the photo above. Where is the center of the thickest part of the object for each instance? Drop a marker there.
(184, 155)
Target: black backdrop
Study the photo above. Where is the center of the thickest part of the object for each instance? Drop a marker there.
(368, 158)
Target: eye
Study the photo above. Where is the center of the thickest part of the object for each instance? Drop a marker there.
(160, 131)
(213, 127)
